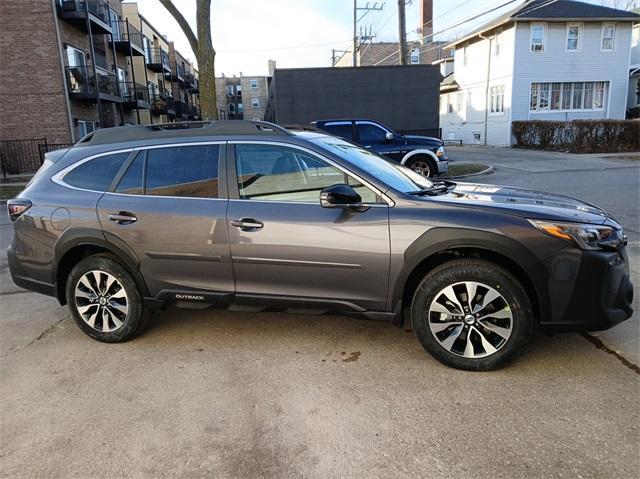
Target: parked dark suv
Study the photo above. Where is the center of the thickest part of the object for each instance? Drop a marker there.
(247, 213)
(423, 154)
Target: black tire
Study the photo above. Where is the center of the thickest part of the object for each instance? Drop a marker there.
(417, 160)
(131, 324)
(489, 279)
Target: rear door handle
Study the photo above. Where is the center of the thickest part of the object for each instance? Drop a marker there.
(247, 224)
(123, 218)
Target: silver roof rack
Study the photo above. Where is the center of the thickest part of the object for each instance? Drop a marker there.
(186, 129)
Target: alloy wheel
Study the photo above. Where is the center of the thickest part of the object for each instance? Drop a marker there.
(101, 301)
(470, 319)
(422, 167)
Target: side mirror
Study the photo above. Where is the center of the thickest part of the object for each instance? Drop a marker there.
(389, 136)
(339, 196)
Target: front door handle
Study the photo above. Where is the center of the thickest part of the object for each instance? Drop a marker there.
(247, 224)
(123, 218)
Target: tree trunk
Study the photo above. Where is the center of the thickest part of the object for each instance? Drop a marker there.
(207, 78)
(206, 56)
(202, 47)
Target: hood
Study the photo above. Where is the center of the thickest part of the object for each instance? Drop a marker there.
(529, 203)
(422, 140)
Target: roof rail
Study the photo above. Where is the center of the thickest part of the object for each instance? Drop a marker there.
(186, 129)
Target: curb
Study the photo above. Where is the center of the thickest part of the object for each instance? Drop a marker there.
(490, 169)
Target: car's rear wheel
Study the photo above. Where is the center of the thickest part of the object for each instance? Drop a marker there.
(472, 314)
(423, 165)
(104, 300)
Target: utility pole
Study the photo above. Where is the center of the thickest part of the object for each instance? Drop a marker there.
(355, 33)
(367, 8)
(402, 24)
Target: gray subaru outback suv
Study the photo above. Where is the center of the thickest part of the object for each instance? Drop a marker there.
(235, 213)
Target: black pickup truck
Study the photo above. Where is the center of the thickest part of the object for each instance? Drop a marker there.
(423, 154)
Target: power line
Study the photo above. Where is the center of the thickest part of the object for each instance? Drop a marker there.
(474, 17)
(435, 47)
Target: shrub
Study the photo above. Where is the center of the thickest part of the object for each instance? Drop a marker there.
(578, 136)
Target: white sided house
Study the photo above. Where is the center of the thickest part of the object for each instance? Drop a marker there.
(545, 60)
(633, 97)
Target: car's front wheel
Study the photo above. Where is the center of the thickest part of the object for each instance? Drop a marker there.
(472, 314)
(104, 300)
(423, 165)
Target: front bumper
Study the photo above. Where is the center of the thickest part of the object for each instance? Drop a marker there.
(589, 290)
(443, 165)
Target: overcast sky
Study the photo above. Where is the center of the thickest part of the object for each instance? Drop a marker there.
(301, 33)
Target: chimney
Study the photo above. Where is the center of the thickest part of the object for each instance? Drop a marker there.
(272, 67)
(426, 20)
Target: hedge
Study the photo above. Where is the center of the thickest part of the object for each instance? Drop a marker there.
(578, 136)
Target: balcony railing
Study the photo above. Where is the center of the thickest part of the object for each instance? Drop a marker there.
(75, 12)
(178, 74)
(134, 95)
(182, 109)
(194, 113)
(84, 85)
(127, 36)
(162, 105)
(157, 60)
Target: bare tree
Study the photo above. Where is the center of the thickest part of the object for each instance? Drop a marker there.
(202, 46)
(621, 4)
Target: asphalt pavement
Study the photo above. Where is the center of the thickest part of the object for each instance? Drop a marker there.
(231, 394)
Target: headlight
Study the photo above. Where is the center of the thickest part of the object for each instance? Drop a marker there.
(585, 236)
(440, 152)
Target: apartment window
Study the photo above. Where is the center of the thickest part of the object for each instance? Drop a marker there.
(232, 109)
(240, 108)
(415, 56)
(85, 127)
(147, 50)
(497, 99)
(573, 37)
(449, 104)
(255, 103)
(537, 37)
(608, 36)
(459, 101)
(238, 90)
(556, 93)
(230, 90)
(254, 84)
(76, 57)
(638, 92)
(569, 96)
(469, 99)
(465, 57)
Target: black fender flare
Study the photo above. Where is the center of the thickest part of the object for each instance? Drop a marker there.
(104, 240)
(448, 239)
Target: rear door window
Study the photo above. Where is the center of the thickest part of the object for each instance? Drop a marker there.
(343, 130)
(183, 171)
(96, 174)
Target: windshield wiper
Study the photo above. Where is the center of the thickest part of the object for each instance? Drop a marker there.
(438, 187)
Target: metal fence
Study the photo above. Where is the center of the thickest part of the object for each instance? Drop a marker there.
(25, 156)
(434, 132)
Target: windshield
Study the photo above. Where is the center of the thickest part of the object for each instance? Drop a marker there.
(389, 172)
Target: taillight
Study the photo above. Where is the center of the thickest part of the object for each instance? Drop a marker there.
(17, 207)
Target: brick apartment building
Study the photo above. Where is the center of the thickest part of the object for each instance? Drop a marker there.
(70, 66)
(242, 97)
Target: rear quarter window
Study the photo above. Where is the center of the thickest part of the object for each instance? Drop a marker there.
(96, 174)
